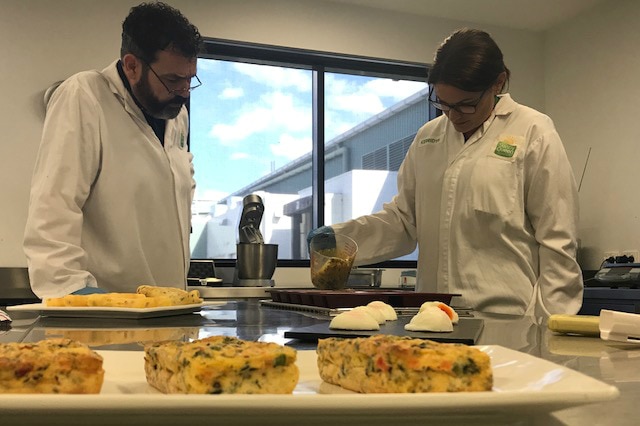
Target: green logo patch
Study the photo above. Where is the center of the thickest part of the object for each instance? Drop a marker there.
(429, 140)
(181, 140)
(505, 149)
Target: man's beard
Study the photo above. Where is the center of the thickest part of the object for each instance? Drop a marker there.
(152, 105)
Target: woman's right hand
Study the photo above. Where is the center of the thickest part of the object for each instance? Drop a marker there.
(326, 237)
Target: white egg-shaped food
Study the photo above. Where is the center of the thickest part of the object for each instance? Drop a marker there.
(453, 315)
(431, 318)
(375, 313)
(354, 320)
(386, 309)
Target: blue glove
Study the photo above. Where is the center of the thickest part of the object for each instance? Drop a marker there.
(89, 290)
(326, 238)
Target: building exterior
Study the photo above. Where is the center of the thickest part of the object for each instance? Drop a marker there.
(360, 175)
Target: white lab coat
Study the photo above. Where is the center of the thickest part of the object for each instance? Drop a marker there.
(109, 206)
(495, 218)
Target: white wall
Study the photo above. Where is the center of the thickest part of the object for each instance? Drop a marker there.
(44, 41)
(592, 91)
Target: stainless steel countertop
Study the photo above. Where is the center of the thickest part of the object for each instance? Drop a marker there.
(615, 364)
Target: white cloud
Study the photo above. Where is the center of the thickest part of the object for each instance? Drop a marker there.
(350, 102)
(284, 116)
(283, 112)
(208, 64)
(357, 103)
(344, 95)
(365, 99)
(251, 122)
(232, 93)
(275, 112)
(336, 124)
(239, 156)
(397, 90)
(291, 147)
(276, 77)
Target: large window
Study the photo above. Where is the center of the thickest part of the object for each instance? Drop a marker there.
(319, 137)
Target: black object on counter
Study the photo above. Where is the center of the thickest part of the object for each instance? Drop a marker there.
(353, 298)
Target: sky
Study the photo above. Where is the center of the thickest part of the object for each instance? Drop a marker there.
(248, 120)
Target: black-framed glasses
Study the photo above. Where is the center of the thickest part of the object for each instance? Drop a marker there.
(176, 91)
(461, 107)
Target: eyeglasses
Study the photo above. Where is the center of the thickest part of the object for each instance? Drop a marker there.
(175, 91)
(461, 107)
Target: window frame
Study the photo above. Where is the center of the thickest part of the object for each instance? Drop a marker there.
(318, 63)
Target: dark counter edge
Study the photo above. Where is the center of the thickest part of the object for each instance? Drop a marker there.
(595, 298)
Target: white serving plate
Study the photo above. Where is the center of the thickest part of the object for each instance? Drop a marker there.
(523, 385)
(104, 312)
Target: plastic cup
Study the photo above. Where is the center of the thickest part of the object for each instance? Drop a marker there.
(331, 264)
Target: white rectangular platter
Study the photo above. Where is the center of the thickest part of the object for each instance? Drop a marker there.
(523, 385)
(104, 312)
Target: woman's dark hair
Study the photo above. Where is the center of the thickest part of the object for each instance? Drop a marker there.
(469, 60)
(151, 27)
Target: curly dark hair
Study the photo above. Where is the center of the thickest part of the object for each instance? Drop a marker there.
(469, 60)
(151, 27)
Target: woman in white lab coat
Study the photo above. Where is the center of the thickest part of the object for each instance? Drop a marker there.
(110, 205)
(485, 191)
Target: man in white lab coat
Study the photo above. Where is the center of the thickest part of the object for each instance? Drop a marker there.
(110, 204)
(485, 191)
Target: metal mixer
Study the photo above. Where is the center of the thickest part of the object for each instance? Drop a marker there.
(249, 227)
(256, 261)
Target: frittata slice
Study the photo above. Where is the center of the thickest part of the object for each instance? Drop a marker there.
(221, 364)
(145, 297)
(50, 366)
(176, 295)
(388, 364)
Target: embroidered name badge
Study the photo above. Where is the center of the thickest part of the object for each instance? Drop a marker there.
(429, 141)
(506, 146)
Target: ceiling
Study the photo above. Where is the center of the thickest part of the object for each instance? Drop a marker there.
(534, 15)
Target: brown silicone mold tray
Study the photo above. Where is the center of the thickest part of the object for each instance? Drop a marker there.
(353, 298)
